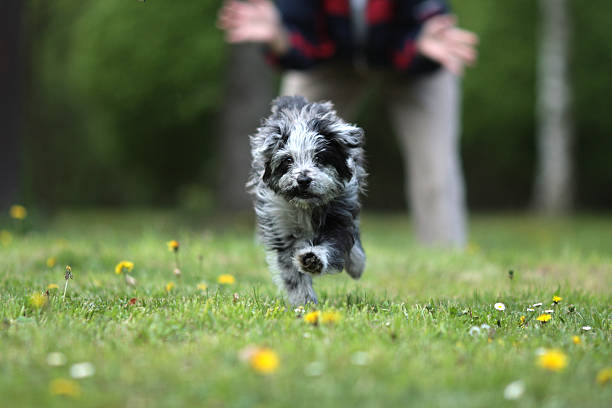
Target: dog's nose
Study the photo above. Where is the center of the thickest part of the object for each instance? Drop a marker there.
(303, 181)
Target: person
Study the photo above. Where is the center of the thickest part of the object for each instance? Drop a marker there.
(412, 49)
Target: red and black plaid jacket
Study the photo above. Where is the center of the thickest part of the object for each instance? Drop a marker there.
(321, 30)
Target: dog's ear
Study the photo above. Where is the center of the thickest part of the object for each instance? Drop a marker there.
(288, 102)
(349, 135)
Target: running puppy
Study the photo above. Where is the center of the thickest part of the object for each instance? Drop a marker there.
(307, 174)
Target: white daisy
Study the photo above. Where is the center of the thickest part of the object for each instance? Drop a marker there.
(500, 306)
(537, 304)
(474, 331)
(587, 328)
(82, 370)
(514, 390)
(56, 359)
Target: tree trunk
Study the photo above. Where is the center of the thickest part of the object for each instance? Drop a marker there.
(554, 181)
(10, 100)
(250, 88)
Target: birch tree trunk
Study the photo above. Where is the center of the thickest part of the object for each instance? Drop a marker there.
(553, 192)
(249, 90)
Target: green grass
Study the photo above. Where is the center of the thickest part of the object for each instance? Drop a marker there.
(403, 338)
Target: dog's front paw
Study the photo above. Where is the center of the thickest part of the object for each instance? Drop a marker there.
(310, 263)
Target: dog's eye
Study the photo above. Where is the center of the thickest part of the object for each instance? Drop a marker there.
(287, 161)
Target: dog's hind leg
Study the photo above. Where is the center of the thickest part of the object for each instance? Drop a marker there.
(355, 262)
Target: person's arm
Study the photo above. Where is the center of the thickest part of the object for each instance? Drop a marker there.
(426, 29)
(291, 31)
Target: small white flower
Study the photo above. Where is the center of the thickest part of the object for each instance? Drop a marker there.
(530, 309)
(82, 370)
(514, 390)
(474, 331)
(56, 359)
(360, 358)
(537, 304)
(549, 311)
(485, 326)
(387, 324)
(587, 328)
(314, 369)
(500, 306)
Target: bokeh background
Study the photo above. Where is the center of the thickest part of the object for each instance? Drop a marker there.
(130, 103)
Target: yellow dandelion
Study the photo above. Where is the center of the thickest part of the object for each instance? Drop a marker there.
(62, 386)
(124, 266)
(226, 279)
(330, 317)
(52, 286)
(523, 319)
(604, 376)
(543, 318)
(556, 299)
(202, 286)
(173, 245)
(264, 361)
(5, 237)
(37, 300)
(552, 360)
(18, 212)
(169, 286)
(312, 317)
(51, 262)
(576, 340)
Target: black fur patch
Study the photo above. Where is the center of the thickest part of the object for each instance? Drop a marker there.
(335, 155)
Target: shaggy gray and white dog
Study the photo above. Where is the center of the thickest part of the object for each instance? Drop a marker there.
(307, 174)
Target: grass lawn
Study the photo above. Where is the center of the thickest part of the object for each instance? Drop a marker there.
(420, 328)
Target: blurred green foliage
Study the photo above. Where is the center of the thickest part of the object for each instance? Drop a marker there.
(123, 99)
(123, 95)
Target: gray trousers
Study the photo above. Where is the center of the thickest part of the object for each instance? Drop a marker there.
(425, 113)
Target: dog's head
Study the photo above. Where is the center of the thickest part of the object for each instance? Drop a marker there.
(305, 152)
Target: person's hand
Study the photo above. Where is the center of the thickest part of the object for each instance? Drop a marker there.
(253, 21)
(447, 44)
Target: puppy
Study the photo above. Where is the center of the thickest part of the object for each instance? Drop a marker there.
(307, 174)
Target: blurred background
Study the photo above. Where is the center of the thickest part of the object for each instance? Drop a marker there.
(130, 103)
